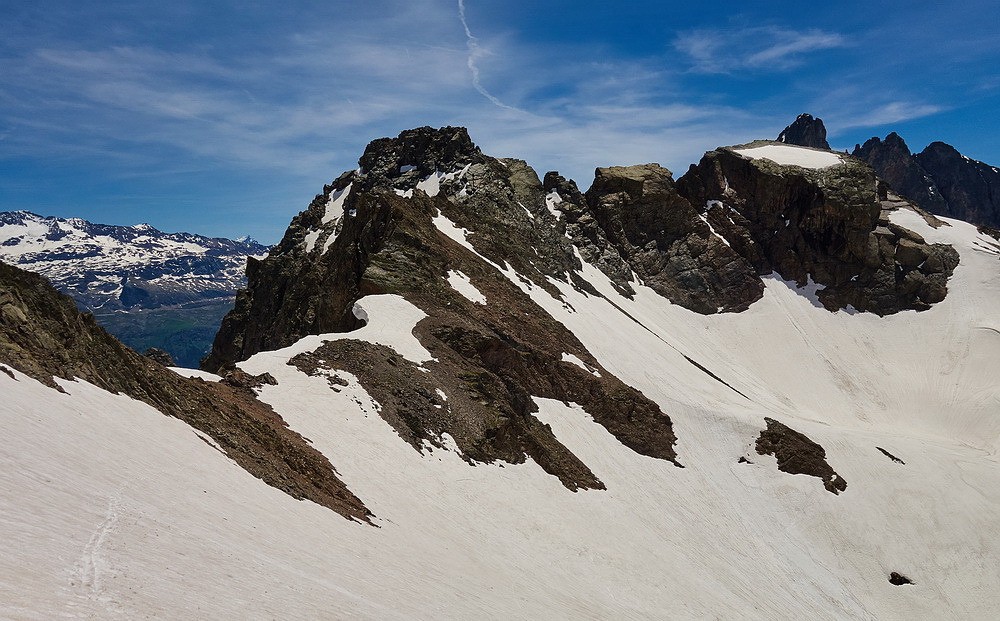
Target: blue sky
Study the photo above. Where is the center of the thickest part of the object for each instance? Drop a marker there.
(225, 118)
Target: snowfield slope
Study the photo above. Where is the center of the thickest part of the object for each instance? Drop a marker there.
(113, 510)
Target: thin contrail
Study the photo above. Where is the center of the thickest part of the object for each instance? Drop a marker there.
(474, 52)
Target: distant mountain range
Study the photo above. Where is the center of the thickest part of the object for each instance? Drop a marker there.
(149, 288)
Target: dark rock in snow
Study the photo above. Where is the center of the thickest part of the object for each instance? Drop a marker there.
(890, 455)
(797, 454)
(899, 579)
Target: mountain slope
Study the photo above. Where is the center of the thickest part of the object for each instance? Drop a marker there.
(511, 403)
(151, 289)
(45, 337)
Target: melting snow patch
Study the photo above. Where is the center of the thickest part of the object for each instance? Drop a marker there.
(432, 183)
(787, 155)
(196, 373)
(712, 228)
(335, 206)
(406, 168)
(570, 358)
(310, 240)
(461, 283)
(809, 290)
(551, 200)
(389, 321)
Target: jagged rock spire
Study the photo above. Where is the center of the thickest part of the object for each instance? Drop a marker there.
(805, 131)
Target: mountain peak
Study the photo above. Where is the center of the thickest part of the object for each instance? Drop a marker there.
(424, 149)
(805, 131)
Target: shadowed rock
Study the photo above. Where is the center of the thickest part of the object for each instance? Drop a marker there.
(805, 131)
(797, 454)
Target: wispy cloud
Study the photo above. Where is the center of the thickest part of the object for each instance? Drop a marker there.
(757, 48)
(884, 114)
(296, 99)
(475, 53)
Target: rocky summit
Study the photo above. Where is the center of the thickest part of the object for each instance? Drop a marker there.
(805, 131)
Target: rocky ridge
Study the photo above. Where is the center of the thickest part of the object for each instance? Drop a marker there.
(387, 238)
(939, 179)
(428, 208)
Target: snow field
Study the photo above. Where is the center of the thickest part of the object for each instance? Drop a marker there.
(789, 155)
(132, 514)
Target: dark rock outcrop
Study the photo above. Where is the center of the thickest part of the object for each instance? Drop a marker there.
(43, 335)
(797, 454)
(158, 355)
(825, 225)
(670, 245)
(971, 189)
(939, 179)
(894, 164)
(890, 456)
(805, 131)
(898, 579)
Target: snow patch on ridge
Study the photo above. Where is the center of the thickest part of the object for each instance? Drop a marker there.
(389, 318)
(431, 184)
(788, 155)
(551, 200)
(570, 358)
(310, 239)
(196, 373)
(335, 206)
(462, 284)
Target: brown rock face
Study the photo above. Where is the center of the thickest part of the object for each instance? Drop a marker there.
(894, 164)
(827, 225)
(797, 454)
(43, 335)
(939, 179)
(971, 189)
(668, 243)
